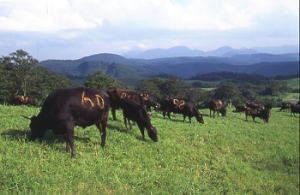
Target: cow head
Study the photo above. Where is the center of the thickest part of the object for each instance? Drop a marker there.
(36, 127)
(152, 133)
(199, 118)
(223, 110)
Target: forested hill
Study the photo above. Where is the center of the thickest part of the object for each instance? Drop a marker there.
(184, 67)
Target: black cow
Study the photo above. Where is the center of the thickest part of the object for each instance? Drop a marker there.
(24, 100)
(150, 101)
(285, 106)
(66, 108)
(116, 94)
(254, 105)
(264, 113)
(295, 108)
(136, 112)
(179, 105)
(217, 106)
(240, 108)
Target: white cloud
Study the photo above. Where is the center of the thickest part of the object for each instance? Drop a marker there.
(40, 16)
(56, 15)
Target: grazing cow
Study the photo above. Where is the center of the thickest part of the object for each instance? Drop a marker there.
(150, 101)
(285, 106)
(136, 112)
(295, 109)
(217, 106)
(177, 105)
(254, 105)
(116, 94)
(24, 100)
(264, 113)
(65, 108)
(240, 108)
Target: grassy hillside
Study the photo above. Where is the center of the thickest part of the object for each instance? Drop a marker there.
(293, 83)
(225, 155)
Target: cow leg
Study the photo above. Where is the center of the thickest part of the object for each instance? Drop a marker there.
(184, 116)
(169, 115)
(209, 112)
(102, 130)
(190, 119)
(70, 141)
(142, 129)
(130, 127)
(164, 114)
(125, 121)
(113, 112)
(67, 144)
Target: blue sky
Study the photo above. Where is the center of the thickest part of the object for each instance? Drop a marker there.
(70, 29)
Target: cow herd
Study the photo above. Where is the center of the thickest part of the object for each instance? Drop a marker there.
(66, 108)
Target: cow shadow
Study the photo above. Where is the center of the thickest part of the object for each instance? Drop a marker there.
(129, 131)
(49, 138)
(16, 134)
(122, 130)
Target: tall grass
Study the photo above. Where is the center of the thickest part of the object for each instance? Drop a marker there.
(225, 155)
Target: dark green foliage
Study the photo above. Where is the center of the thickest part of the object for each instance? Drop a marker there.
(232, 77)
(19, 75)
(101, 81)
(172, 87)
(228, 92)
(151, 85)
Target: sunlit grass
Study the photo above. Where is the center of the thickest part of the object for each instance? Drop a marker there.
(225, 155)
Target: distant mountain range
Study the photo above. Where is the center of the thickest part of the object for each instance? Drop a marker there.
(226, 51)
(132, 69)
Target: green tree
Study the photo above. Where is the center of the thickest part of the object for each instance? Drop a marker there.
(151, 86)
(22, 64)
(173, 87)
(228, 92)
(19, 75)
(44, 82)
(101, 81)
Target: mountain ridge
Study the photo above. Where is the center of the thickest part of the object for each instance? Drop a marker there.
(180, 51)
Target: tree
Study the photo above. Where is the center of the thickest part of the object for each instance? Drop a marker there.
(151, 86)
(228, 92)
(173, 87)
(22, 64)
(19, 75)
(101, 81)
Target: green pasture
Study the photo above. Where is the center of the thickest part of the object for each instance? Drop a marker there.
(293, 83)
(224, 155)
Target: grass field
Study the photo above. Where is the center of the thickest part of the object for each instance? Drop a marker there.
(225, 155)
(293, 83)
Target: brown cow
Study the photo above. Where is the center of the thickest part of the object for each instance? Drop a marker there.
(178, 105)
(136, 112)
(264, 113)
(66, 108)
(150, 101)
(295, 109)
(254, 105)
(240, 108)
(24, 100)
(116, 94)
(217, 106)
(285, 106)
